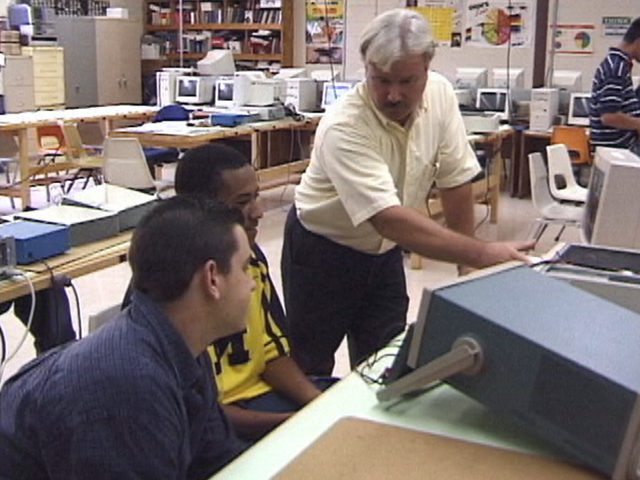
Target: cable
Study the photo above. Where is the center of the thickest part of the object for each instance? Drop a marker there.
(3, 345)
(20, 273)
(77, 298)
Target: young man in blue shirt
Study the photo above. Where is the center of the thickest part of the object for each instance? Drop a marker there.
(136, 399)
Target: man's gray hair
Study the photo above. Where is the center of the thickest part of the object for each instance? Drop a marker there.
(394, 35)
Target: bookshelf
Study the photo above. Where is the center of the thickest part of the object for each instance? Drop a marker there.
(259, 32)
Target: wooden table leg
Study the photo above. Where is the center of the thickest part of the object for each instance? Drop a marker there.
(25, 181)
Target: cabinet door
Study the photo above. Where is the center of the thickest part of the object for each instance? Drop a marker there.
(77, 37)
(118, 56)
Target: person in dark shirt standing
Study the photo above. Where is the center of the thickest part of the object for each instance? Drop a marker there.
(136, 399)
(614, 106)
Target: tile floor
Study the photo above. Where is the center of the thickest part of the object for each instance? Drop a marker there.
(105, 288)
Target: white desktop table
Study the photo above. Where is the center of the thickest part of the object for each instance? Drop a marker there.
(442, 411)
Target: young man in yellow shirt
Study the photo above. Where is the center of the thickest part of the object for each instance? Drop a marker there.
(260, 385)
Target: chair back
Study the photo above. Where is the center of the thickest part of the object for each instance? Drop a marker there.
(577, 141)
(91, 134)
(559, 163)
(50, 138)
(74, 147)
(125, 164)
(8, 145)
(173, 112)
(538, 177)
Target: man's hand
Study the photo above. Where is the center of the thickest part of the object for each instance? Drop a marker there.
(499, 252)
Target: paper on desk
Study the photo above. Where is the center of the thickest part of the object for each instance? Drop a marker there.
(170, 128)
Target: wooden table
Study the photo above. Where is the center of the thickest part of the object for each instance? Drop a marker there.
(19, 123)
(182, 135)
(76, 262)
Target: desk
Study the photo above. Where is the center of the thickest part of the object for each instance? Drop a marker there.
(530, 141)
(442, 411)
(19, 123)
(76, 262)
(180, 135)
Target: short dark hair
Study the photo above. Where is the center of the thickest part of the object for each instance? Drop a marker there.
(175, 239)
(633, 32)
(200, 170)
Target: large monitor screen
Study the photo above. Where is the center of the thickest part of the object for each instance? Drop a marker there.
(494, 100)
(612, 211)
(332, 91)
(187, 87)
(224, 92)
(579, 109)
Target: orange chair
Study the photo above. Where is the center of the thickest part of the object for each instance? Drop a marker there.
(51, 142)
(577, 141)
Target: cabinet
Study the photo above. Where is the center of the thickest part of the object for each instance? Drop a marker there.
(17, 82)
(102, 60)
(48, 76)
(260, 32)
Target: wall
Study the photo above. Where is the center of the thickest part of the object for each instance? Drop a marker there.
(360, 12)
(590, 12)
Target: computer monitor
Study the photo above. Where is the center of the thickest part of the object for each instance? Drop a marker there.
(612, 211)
(224, 92)
(508, 78)
(332, 91)
(471, 78)
(194, 89)
(217, 62)
(567, 80)
(579, 109)
(291, 72)
(495, 100)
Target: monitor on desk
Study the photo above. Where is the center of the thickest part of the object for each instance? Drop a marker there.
(224, 92)
(494, 100)
(612, 210)
(579, 109)
(197, 90)
(217, 62)
(508, 77)
(567, 80)
(332, 91)
(471, 78)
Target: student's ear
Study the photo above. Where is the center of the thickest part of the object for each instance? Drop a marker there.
(211, 278)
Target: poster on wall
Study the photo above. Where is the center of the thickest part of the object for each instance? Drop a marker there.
(445, 17)
(325, 31)
(615, 26)
(573, 39)
(498, 23)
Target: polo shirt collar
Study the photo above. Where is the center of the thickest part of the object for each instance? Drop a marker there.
(364, 93)
(621, 52)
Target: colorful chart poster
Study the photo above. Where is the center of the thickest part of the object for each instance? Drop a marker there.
(573, 39)
(325, 31)
(498, 23)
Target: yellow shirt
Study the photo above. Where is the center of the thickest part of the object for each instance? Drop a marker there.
(363, 163)
(239, 360)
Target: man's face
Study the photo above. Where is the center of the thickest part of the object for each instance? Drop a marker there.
(398, 92)
(236, 287)
(240, 190)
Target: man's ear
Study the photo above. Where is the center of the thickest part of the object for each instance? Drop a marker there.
(211, 278)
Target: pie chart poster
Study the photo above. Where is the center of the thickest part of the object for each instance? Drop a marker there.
(574, 39)
(498, 23)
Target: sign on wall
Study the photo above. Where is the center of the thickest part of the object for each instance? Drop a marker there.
(325, 31)
(573, 39)
(615, 26)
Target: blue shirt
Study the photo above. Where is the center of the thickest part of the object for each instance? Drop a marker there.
(612, 91)
(129, 401)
